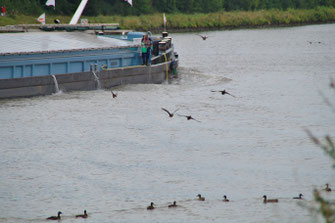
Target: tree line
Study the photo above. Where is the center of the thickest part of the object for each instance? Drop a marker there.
(121, 7)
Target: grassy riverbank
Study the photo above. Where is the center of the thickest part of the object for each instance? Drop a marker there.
(199, 21)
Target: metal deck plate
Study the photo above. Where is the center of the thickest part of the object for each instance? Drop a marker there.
(36, 42)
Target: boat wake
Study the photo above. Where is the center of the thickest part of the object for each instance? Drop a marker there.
(194, 77)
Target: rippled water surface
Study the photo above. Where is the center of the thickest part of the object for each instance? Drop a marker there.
(112, 157)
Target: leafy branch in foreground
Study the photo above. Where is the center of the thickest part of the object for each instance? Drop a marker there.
(326, 206)
(326, 209)
(327, 146)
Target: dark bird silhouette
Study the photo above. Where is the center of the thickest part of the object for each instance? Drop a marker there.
(170, 114)
(114, 95)
(188, 117)
(328, 189)
(269, 200)
(200, 198)
(225, 199)
(55, 217)
(300, 197)
(82, 215)
(225, 92)
(173, 205)
(151, 206)
(332, 83)
(203, 37)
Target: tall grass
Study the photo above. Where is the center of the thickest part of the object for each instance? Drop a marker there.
(178, 21)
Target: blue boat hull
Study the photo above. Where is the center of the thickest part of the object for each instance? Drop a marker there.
(32, 70)
(45, 85)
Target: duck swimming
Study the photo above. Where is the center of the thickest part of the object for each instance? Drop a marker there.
(225, 199)
(173, 205)
(55, 217)
(328, 189)
(269, 200)
(200, 198)
(82, 215)
(151, 206)
(300, 197)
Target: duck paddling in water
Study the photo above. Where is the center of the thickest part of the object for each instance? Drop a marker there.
(328, 189)
(151, 206)
(300, 197)
(55, 217)
(269, 200)
(225, 199)
(200, 198)
(82, 215)
(173, 205)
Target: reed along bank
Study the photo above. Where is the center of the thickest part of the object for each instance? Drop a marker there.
(199, 21)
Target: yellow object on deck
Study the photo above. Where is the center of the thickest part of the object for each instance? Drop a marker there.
(167, 68)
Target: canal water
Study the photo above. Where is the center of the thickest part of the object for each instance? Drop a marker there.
(85, 150)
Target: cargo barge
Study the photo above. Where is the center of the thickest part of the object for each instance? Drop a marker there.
(36, 63)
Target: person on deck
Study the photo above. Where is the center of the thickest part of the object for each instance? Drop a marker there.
(146, 44)
(3, 11)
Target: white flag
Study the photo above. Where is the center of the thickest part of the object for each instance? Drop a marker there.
(164, 18)
(51, 2)
(41, 19)
(130, 2)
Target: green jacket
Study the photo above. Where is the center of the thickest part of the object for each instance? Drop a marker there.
(144, 48)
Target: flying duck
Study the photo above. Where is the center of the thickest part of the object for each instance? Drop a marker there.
(114, 95)
(203, 37)
(55, 217)
(224, 92)
(169, 113)
(269, 200)
(82, 215)
(188, 117)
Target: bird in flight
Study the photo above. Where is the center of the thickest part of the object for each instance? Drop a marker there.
(188, 117)
(114, 95)
(203, 37)
(225, 92)
(169, 113)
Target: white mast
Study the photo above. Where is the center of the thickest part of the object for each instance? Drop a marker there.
(79, 10)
